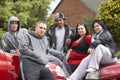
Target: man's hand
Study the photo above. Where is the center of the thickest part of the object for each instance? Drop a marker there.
(68, 41)
(16, 52)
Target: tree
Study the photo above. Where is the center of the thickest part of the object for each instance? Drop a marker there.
(50, 20)
(109, 12)
(1, 33)
(28, 11)
(88, 19)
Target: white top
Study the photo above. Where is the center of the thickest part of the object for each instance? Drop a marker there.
(60, 33)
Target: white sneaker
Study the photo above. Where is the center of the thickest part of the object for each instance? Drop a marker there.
(68, 79)
(92, 75)
(90, 70)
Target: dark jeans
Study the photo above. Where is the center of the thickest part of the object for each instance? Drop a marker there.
(35, 71)
(73, 67)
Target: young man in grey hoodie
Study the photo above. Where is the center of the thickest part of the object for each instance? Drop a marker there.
(10, 40)
(33, 48)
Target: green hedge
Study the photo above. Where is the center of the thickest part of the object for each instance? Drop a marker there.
(118, 52)
(1, 33)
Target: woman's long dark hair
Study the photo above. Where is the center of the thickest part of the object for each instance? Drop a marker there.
(100, 22)
(77, 35)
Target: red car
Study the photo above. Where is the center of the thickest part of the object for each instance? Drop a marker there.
(9, 68)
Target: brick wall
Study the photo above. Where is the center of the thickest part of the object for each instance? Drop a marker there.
(73, 11)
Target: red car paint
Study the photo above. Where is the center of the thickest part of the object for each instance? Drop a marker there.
(9, 68)
(53, 68)
(111, 71)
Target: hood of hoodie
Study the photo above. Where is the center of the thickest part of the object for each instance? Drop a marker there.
(32, 32)
(13, 18)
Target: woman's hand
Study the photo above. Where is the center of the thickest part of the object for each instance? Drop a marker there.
(68, 54)
(90, 50)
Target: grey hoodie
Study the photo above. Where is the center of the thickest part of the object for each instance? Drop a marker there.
(34, 48)
(10, 41)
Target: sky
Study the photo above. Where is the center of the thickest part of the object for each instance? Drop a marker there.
(52, 6)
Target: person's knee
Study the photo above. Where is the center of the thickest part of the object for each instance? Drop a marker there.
(100, 46)
(85, 60)
(57, 61)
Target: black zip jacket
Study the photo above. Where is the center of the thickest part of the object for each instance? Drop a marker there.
(105, 38)
(52, 39)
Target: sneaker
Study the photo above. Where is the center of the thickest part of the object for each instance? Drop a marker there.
(90, 70)
(68, 79)
(94, 75)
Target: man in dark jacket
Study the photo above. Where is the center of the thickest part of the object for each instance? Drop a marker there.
(57, 35)
(33, 48)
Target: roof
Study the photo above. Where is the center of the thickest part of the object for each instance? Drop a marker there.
(93, 4)
(52, 6)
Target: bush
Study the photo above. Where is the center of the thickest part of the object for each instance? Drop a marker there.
(1, 33)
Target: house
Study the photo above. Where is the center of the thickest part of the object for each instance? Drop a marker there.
(75, 9)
